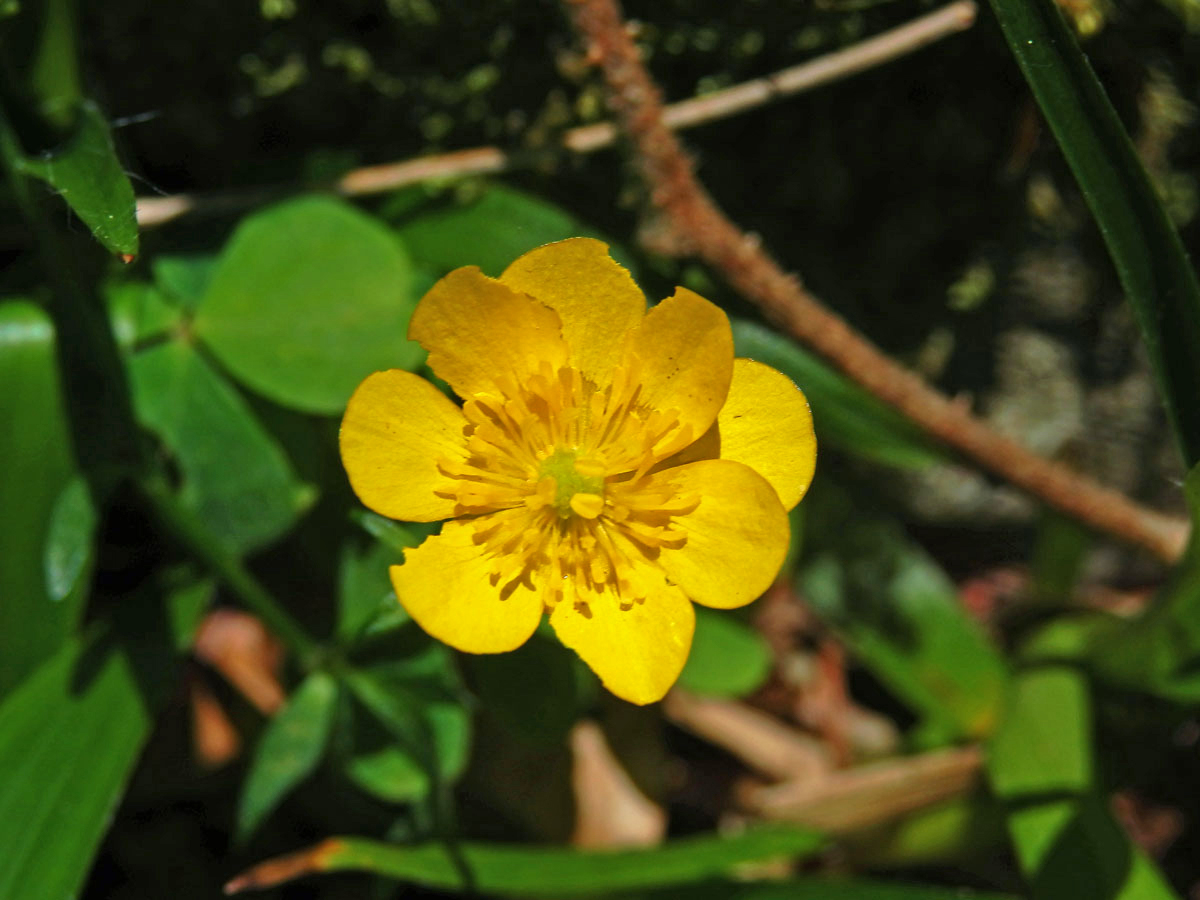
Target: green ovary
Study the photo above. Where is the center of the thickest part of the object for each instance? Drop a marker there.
(569, 481)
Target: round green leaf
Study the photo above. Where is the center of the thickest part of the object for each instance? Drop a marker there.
(308, 298)
(728, 658)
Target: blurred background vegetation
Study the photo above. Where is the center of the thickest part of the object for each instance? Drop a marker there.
(951, 689)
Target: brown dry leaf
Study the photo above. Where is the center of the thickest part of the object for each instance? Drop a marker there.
(851, 799)
(238, 646)
(215, 741)
(610, 811)
(761, 741)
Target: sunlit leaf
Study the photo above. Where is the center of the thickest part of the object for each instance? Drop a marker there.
(38, 465)
(69, 737)
(513, 870)
(728, 658)
(488, 231)
(815, 888)
(308, 298)
(86, 173)
(235, 476)
(184, 277)
(139, 313)
(1041, 767)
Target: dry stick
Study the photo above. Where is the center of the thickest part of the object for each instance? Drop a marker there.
(954, 17)
(698, 227)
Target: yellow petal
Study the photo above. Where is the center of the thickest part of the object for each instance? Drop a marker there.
(766, 424)
(637, 652)
(736, 537)
(396, 428)
(446, 586)
(482, 335)
(596, 299)
(683, 356)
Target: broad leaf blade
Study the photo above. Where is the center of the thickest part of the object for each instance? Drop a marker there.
(1041, 767)
(814, 889)
(1149, 257)
(69, 737)
(489, 231)
(728, 658)
(288, 751)
(38, 465)
(308, 298)
(537, 872)
(236, 477)
(88, 176)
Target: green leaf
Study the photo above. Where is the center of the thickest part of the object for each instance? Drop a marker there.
(1040, 766)
(288, 751)
(308, 298)
(1044, 746)
(184, 277)
(139, 313)
(1058, 556)
(54, 70)
(365, 589)
(1159, 652)
(1149, 257)
(86, 173)
(514, 870)
(844, 415)
(236, 478)
(815, 889)
(489, 231)
(69, 544)
(426, 730)
(901, 616)
(728, 657)
(69, 737)
(35, 446)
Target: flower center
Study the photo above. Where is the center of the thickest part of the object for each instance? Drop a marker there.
(577, 484)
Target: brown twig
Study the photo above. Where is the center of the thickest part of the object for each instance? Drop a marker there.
(696, 226)
(153, 211)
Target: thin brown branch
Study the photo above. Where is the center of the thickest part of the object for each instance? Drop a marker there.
(696, 226)
(950, 19)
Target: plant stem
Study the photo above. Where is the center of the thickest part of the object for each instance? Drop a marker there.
(694, 225)
(103, 432)
(205, 546)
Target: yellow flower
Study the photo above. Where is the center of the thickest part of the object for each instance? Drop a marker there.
(608, 465)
